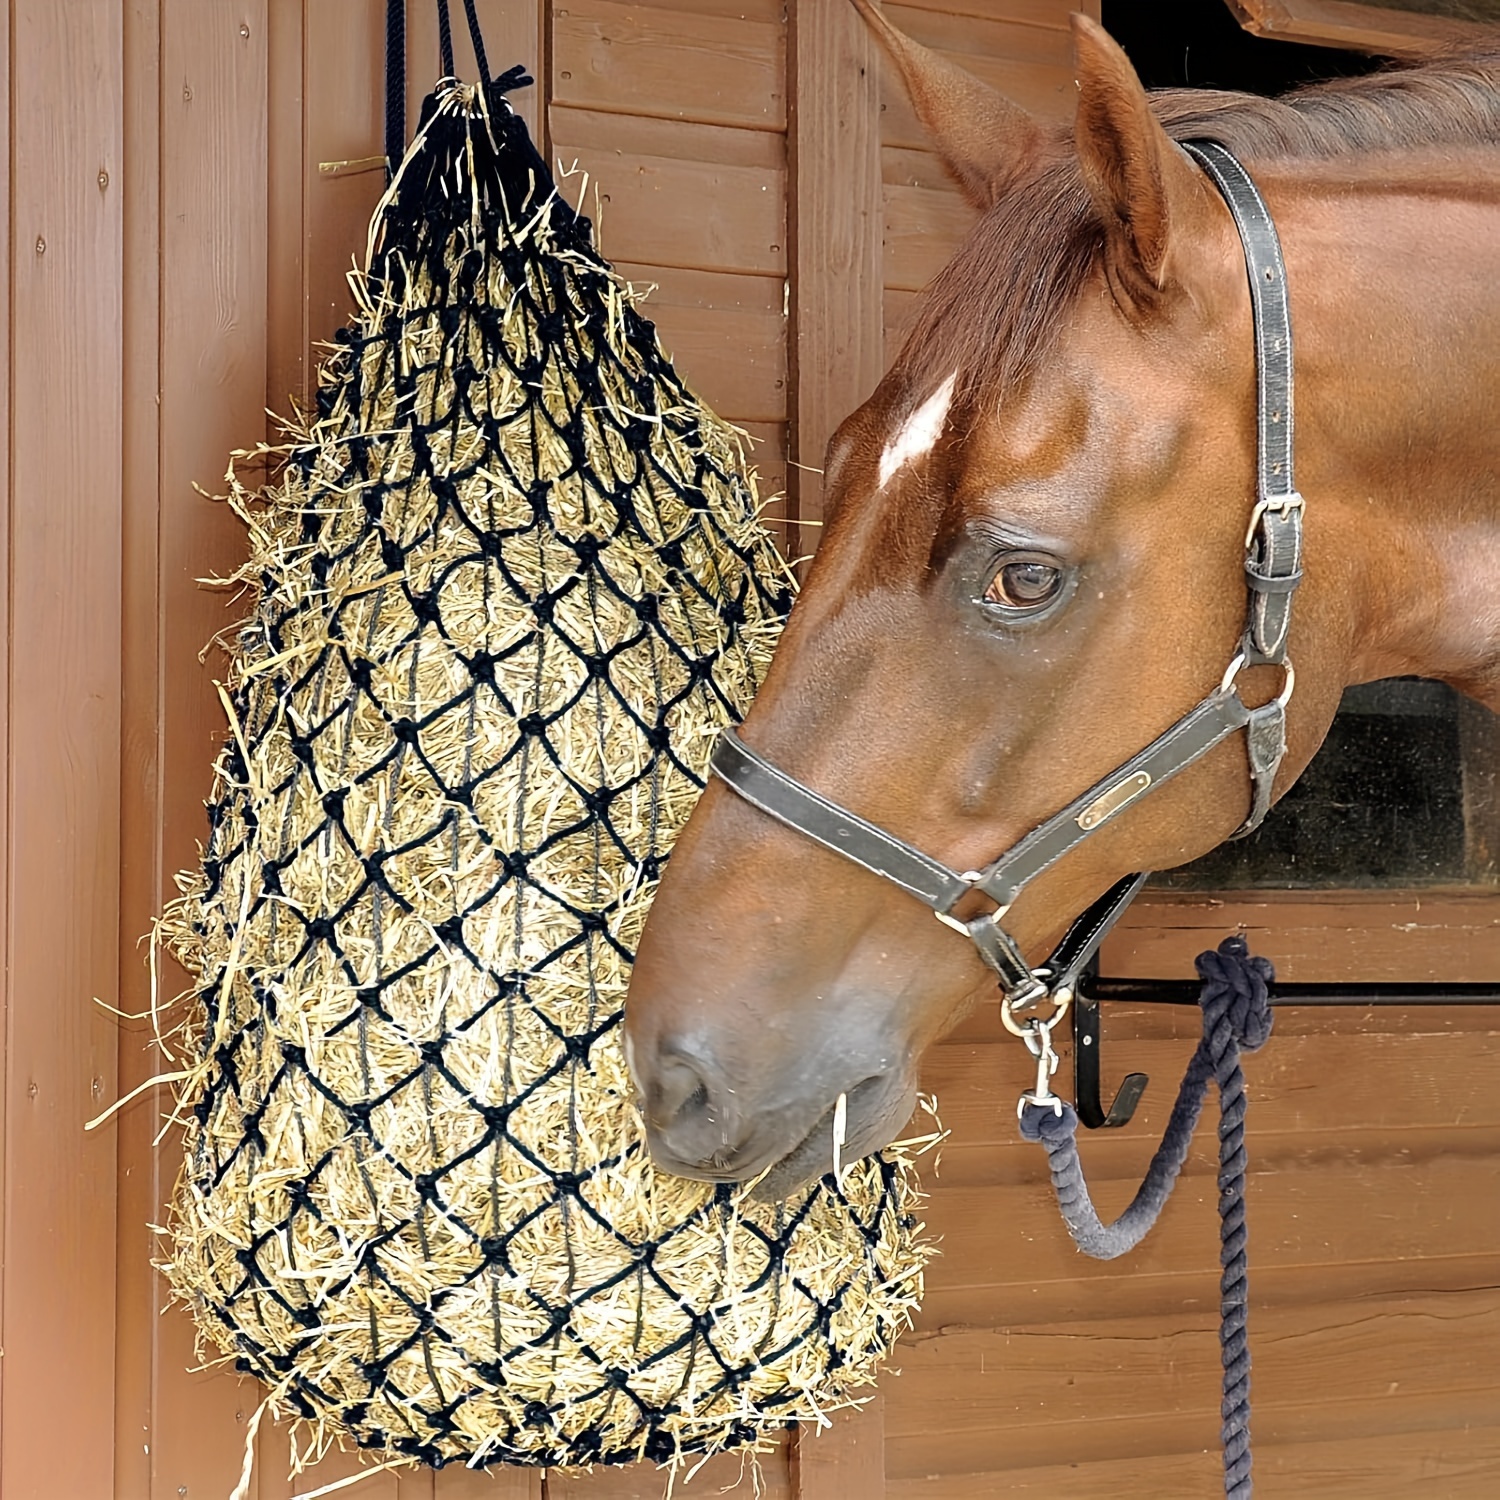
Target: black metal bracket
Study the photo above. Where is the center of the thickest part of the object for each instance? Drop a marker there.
(1088, 1100)
(1088, 1027)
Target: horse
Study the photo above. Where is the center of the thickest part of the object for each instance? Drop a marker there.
(1033, 557)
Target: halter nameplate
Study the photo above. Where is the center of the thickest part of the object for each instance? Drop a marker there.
(1273, 569)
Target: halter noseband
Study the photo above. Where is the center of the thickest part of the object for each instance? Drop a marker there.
(1273, 569)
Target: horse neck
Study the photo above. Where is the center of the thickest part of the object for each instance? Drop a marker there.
(1395, 279)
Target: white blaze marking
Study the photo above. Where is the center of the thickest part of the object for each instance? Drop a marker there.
(918, 434)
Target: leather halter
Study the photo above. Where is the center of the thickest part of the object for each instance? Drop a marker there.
(1273, 569)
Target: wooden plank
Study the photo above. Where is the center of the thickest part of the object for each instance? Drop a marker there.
(672, 64)
(212, 329)
(273, 1482)
(1458, 1463)
(1048, 14)
(66, 158)
(629, 136)
(768, 460)
(1373, 935)
(9, 243)
(904, 167)
(1160, 1022)
(701, 316)
(344, 121)
(1145, 1441)
(1047, 1375)
(1324, 1216)
(505, 1482)
(1367, 28)
(898, 308)
(1361, 1087)
(693, 209)
(846, 1458)
(767, 12)
(138, 1292)
(288, 363)
(764, 1476)
(922, 230)
(835, 213)
(991, 1399)
(988, 1295)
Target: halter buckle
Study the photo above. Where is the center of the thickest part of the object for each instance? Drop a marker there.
(1280, 504)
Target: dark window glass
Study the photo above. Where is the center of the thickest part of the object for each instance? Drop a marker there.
(1199, 44)
(1403, 793)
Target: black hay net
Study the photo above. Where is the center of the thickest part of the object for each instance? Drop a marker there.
(509, 582)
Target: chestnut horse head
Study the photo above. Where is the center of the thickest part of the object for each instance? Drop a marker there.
(1032, 562)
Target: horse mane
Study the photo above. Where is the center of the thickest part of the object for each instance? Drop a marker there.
(992, 313)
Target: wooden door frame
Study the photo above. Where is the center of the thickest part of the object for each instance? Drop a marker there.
(1362, 28)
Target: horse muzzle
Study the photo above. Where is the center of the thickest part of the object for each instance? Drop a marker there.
(702, 1124)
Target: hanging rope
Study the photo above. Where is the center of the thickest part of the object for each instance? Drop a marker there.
(395, 85)
(445, 41)
(1236, 1019)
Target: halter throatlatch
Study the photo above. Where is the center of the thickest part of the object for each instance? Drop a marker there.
(1273, 569)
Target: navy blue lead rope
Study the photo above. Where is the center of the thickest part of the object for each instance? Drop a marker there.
(1236, 1019)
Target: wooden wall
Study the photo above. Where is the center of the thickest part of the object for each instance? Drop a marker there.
(187, 182)
(1374, 1216)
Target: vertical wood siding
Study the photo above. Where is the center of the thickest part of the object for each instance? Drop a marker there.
(62, 784)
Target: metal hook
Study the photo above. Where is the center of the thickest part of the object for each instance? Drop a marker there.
(1088, 1038)
(1038, 1038)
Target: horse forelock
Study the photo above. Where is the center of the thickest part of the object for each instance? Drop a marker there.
(993, 311)
(992, 314)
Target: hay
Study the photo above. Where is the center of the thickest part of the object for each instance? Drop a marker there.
(510, 582)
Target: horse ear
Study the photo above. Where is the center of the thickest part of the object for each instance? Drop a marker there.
(1148, 194)
(983, 139)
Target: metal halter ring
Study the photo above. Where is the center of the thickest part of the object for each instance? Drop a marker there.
(1240, 662)
(1060, 998)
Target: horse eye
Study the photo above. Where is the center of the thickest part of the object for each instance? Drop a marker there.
(1024, 585)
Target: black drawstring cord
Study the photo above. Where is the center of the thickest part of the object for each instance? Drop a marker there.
(395, 85)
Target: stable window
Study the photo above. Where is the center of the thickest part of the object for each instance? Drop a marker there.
(1401, 795)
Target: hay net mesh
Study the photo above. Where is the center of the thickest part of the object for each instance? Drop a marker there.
(509, 582)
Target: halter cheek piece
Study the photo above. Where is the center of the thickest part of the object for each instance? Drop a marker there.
(1273, 569)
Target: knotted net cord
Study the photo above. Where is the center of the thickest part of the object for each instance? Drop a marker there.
(509, 585)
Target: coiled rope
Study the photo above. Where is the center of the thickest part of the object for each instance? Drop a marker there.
(1236, 1019)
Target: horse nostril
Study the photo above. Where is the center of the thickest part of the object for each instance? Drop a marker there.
(691, 1113)
(679, 1090)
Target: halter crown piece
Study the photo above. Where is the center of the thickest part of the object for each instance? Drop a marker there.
(1273, 569)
